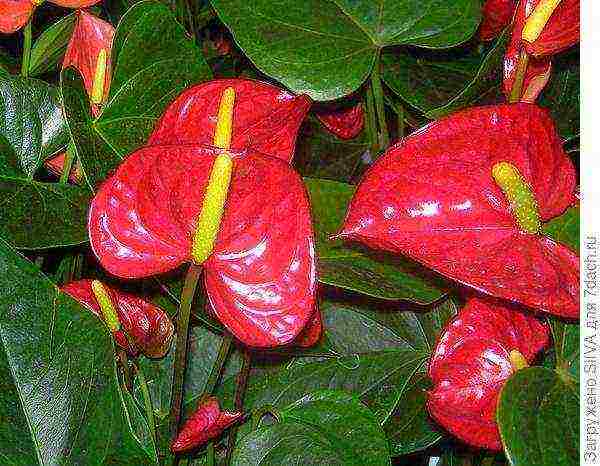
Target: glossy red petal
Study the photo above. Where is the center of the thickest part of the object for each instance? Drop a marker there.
(345, 123)
(75, 3)
(147, 326)
(536, 77)
(497, 14)
(312, 332)
(561, 30)
(55, 165)
(432, 197)
(14, 14)
(90, 36)
(206, 423)
(266, 118)
(260, 278)
(471, 362)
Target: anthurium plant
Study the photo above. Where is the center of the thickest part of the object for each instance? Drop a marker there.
(269, 233)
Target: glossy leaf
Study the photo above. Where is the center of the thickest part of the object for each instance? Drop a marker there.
(566, 346)
(36, 215)
(31, 120)
(380, 276)
(472, 361)
(437, 83)
(153, 60)
(328, 427)
(260, 278)
(49, 48)
(61, 379)
(266, 118)
(536, 403)
(327, 49)
(432, 197)
(565, 228)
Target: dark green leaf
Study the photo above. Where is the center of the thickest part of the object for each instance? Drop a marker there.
(327, 49)
(565, 228)
(31, 120)
(62, 400)
(538, 418)
(566, 345)
(378, 275)
(35, 215)
(561, 94)
(322, 428)
(49, 48)
(437, 83)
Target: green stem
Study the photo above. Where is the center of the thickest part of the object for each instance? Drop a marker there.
(240, 391)
(379, 105)
(183, 322)
(517, 88)
(68, 165)
(371, 121)
(217, 368)
(26, 50)
(124, 362)
(147, 405)
(210, 454)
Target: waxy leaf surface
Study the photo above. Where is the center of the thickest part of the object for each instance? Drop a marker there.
(266, 118)
(471, 362)
(261, 276)
(49, 48)
(327, 49)
(432, 197)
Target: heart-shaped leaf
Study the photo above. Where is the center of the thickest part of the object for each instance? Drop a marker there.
(31, 120)
(538, 418)
(327, 49)
(437, 83)
(58, 370)
(323, 427)
(49, 48)
(565, 228)
(380, 276)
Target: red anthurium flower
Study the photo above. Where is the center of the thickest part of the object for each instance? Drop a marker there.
(497, 14)
(541, 29)
(465, 196)
(205, 424)
(312, 332)
(89, 52)
(267, 118)
(56, 163)
(345, 123)
(14, 14)
(137, 325)
(475, 355)
(244, 216)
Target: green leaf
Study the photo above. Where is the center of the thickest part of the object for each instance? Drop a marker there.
(566, 345)
(49, 48)
(323, 427)
(561, 94)
(154, 61)
(375, 274)
(327, 48)
(538, 418)
(35, 215)
(565, 228)
(62, 402)
(437, 83)
(31, 120)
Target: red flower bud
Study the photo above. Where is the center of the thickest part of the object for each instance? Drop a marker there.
(89, 52)
(345, 123)
(497, 14)
(205, 424)
(437, 198)
(475, 355)
(142, 326)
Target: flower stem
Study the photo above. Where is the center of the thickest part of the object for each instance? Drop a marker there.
(379, 105)
(240, 391)
(183, 322)
(371, 118)
(68, 165)
(517, 87)
(217, 368)
(147, 404)
(26, 50)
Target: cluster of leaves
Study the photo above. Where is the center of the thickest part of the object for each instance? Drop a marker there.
(359, 396)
